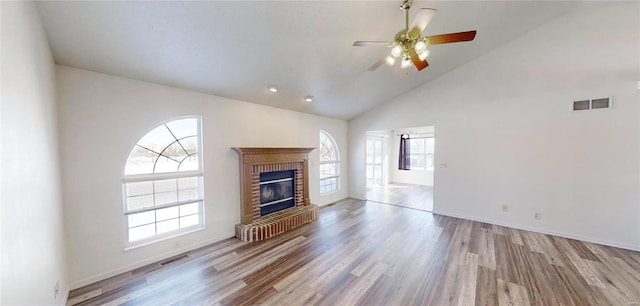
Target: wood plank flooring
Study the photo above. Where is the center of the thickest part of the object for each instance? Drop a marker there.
(406, 195)
(366, 253)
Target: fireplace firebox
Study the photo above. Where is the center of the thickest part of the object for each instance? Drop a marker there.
(276, 191)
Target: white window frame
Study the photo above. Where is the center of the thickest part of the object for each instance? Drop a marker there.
(150, 177)
(335, 162)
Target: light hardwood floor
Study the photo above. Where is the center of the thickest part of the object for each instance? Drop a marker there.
(366, 253)
(406, 195)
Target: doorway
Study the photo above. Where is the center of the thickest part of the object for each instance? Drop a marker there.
(408, 185)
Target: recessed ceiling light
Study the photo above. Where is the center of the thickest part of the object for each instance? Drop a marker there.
(273, 88)
(309, 98)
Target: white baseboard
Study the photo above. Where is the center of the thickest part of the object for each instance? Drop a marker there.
(133, 266)
(540, 230)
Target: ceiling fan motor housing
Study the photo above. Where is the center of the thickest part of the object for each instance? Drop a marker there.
(406, 5)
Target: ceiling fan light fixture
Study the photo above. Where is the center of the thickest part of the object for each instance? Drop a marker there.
(423, 56)
(405, 63)
(309, 99)
(272, 88)
(420, 46)
(390, 60)
(396, 51)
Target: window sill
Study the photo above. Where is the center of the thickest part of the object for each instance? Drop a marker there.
(135, 245)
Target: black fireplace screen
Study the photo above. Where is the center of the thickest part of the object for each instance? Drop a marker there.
(276, 191)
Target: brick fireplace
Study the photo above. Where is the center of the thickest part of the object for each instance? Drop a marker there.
(267, 170)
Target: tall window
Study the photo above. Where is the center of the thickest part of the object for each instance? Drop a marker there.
(421, 153)
(329, 164)
(162, 182)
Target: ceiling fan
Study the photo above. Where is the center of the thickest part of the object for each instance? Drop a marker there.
(409, 45)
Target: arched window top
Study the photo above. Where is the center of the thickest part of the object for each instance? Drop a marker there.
(328, 148)
(170, 147)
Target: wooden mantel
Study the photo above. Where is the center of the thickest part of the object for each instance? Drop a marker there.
(253, 156)
(272, 155)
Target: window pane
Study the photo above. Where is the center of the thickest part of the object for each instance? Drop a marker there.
(142, 232)
(430, 145)
(139, 202)
(166, 197)
(165, 185)
(187, 195)
(157, 139)
(167, 226)
(189, 163)
(184, 127)
(416, 145)
(167, 213)
(164, 165)
(328, 185)
(139, 188)
(190, 144)
(142, 218)
(189, 221)
(328, 170)
(188, 182)
(417, 161)
(140, 161)
(189, 209)
(175, 152)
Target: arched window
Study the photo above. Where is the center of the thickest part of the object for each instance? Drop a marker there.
(162, 182)
(329, 164)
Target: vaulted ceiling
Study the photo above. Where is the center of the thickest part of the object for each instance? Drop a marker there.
(236, 49)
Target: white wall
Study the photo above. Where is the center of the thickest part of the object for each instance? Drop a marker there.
(103, 116)
(415, 177)
(507, 135)
(33, 248)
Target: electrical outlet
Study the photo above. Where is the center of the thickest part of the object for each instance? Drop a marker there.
(537, 216)
(505, 207)
(56, 289)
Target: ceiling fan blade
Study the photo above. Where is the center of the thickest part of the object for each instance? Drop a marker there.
(420, 64)
(376, 65)
(372, 43)
(451, 38)
(422, 19)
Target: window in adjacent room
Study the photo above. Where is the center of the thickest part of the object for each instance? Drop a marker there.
(162, 183)
(421, 153)
(329, 164)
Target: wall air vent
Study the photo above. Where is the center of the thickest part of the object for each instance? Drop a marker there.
(601, 103)
(592, 104)
(581, 105)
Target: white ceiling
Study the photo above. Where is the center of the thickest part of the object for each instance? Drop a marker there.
(236, 49)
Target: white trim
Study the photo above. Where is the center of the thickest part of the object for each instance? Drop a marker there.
(134, 178)
(105, 275)
(150, 208)
(540, 230)
(160, 237)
